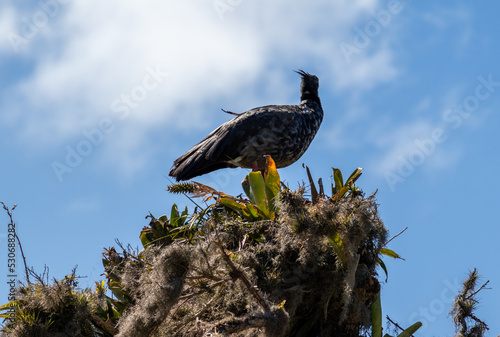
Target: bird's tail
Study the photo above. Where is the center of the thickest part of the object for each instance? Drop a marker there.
(197, 161)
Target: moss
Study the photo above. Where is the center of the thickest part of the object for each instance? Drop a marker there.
(59, 309)
(311, 271)
(307, 283)
(156, 292)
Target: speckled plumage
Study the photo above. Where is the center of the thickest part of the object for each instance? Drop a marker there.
(282, 131)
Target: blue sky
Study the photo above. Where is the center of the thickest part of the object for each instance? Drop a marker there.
(97, 99)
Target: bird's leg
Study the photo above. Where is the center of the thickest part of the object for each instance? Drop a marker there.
(255, 166)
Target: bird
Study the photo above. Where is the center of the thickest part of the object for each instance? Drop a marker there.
(282, 131)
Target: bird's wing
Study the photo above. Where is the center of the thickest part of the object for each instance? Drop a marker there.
(231, 136)
(225, 146)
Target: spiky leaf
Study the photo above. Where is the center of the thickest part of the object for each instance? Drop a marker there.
(272, 181)
(258, 192)
(411, 330)
(339, 181)
(389, 252)
(376, 309)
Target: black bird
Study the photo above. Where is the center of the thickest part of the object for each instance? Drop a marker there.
(282, 131)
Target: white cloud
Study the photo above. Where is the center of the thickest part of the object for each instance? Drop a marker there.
(91, 53)
(402, 149)
(368, 72)
(7, 24)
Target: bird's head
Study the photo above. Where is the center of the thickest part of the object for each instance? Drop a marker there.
(309, 86)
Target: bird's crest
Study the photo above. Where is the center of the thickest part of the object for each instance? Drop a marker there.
(302, 73)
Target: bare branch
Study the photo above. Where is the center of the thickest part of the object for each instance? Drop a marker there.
(9, 213)
(390, 320)
(253, 289)
(395, 236)
(481, 288)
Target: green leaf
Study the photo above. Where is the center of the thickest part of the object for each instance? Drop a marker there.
(411, 330)
(390, 253)
(341, 192)
(159, 227)
(354, 176)
(254, 212)
(338, 246)
(117, 290)
(339, 181)
(384, 268)
(144, 237)
(239, 208)
(376, 309)
(174, 215)
(100, 285)
(258, 192)
(183, 217)
(8, 305)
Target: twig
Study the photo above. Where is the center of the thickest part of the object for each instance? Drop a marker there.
(394, 323)
(479, 321)
(209, 288)
(253, 289)
(236, 324)
(395, 236)
(24, 258)
(42, 278)
(9, 212)
(480, 288)
(107, 326)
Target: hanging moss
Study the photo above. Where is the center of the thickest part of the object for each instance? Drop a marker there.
(312, 270)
